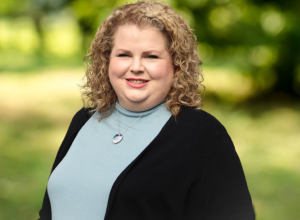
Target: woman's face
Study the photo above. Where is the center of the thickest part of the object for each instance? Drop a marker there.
(140, 68)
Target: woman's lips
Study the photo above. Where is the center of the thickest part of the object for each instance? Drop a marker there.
(136, 85)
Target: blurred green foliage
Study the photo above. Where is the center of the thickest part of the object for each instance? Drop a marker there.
(259, 37)
(250, 50)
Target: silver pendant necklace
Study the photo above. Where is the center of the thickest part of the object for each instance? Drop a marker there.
(118, 137)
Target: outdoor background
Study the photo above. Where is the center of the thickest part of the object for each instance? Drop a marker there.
(250, 52)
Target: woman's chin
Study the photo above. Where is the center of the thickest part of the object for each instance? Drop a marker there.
(136, 99)
(137, 103)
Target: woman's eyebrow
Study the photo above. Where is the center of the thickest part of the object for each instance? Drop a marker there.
(152, 51)
(123, 51)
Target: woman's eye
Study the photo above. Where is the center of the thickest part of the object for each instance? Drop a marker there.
(123, 55)
(152, 57)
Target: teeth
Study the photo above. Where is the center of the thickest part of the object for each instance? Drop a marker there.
(137, 81)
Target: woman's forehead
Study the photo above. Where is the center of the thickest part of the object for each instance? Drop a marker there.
(132, 35)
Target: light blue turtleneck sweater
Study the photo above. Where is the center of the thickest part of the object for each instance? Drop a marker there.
(79, 187)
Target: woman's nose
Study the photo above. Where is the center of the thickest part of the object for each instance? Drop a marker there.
(137, 66)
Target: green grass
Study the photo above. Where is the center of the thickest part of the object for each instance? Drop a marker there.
(266, 138)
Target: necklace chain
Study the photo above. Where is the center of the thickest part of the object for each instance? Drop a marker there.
(129, 125)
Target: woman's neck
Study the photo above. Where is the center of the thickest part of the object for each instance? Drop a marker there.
(139, 107)
(131, 113)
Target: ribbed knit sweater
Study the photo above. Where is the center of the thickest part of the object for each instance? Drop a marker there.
(80, 185)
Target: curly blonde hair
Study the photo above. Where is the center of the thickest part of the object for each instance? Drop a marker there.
(98, 92)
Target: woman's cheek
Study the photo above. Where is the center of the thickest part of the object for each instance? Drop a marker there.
(117, 68)
(160, 70)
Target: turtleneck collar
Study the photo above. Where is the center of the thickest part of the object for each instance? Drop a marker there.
(128, 113)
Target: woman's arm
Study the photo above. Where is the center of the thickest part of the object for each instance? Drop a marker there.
(227, 193)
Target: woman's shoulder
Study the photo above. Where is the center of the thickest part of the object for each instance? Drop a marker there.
(200, 119)
(86, 113)
(82, 116)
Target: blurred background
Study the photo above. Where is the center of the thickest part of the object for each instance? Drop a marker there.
(250, 53)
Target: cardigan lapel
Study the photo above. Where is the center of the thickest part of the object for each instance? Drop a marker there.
(124, 173)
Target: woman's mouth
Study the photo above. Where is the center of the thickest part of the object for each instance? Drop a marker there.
(137, 83)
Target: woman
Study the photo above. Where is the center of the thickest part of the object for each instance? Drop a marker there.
(143, 150)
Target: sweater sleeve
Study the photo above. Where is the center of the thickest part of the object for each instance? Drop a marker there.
(77, 122)
(226, 189)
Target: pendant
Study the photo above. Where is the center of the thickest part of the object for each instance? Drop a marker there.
(117, 138)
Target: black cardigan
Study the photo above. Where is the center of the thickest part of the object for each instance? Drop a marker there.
(190, 171)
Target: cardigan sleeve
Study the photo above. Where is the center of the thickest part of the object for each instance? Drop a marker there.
(225, 185)
(77, 122)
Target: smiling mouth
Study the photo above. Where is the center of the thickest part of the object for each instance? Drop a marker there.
(137, 81)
